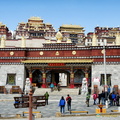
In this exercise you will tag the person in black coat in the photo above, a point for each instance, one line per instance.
(110, 99)
(117, 99)
(99, 98)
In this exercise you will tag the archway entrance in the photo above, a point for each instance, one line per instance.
(61, 77)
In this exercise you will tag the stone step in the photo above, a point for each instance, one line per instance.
(63, 91)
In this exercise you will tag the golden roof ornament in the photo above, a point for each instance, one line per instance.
(117, 40)
(69, 40)
(71, 26)
(35, 18)
(1, 23)
(94, 40)
(59, 37)
(2, 42)
(23, 42)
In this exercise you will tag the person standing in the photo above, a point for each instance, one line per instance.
(94, 98)
(58, 86)
(46, 97)
(51, 86)
(109, 90)
(79, 92)
(99, 98)
(62, 105)
(87, 99)
(103, 97)
(113, 98)
(68, 99)
(110, 99)
(117, 99)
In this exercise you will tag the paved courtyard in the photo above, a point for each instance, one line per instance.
(49, 111)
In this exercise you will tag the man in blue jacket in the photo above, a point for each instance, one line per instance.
(62, 105)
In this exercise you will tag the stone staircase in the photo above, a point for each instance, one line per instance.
(63, 91)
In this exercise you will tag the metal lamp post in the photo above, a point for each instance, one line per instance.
(104, 54)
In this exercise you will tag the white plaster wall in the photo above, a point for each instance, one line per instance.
(114, 70)
(19, 70)
(29, 43)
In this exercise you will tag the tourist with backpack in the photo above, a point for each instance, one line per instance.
(46, 97)
(87, 99)
(68, 99)
(62, 105)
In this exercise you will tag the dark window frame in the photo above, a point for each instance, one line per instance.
(11, 79)
(108, 79)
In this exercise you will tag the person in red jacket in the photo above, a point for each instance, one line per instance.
(95, 98)
(68, 99)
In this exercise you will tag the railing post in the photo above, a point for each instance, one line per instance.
(30, 105)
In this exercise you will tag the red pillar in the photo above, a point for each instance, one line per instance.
(44, 80)
(30, 74)
(86, 76)
(72, 78)
(30, 77)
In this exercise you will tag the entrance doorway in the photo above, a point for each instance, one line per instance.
(56, 78)
(61, 77)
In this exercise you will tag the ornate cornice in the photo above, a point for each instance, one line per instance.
(11, 63)
(66, 48)
(59, 61)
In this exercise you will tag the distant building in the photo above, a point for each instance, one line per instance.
(103, 34)
(73, 32)
(35, 28)
(4, 31)
(43, 55)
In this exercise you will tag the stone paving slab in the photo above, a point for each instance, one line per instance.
(75, 118)
(49, 111)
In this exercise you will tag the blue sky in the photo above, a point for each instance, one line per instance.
(86, 13)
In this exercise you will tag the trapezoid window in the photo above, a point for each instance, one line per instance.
(108, 79)
(11, 79)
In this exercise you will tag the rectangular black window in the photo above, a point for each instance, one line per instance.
(73, 35)
(108, 79)
(11, 79)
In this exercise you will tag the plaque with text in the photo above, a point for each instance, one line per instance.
(20, 99)
(21, 105)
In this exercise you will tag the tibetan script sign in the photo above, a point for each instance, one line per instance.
(23, 102)
(56, 64)
(37, 104)
(35, 98)
(20, 99)
(21, 105)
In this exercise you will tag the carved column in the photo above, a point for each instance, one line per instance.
(44, 78)
(30, 75)
(71, 78)
(86, 71)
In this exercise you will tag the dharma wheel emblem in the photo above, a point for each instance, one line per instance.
(57, 53)
(74, 52)
(41, 52)
(11, 53)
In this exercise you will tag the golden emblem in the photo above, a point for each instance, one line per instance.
(74, 52)
(57, 53)
(11, 53)
(41, 53)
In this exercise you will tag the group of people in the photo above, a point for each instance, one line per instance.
(55, 86)
(62, 102)
(112, 98)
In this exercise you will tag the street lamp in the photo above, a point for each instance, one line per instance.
(104, 56)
